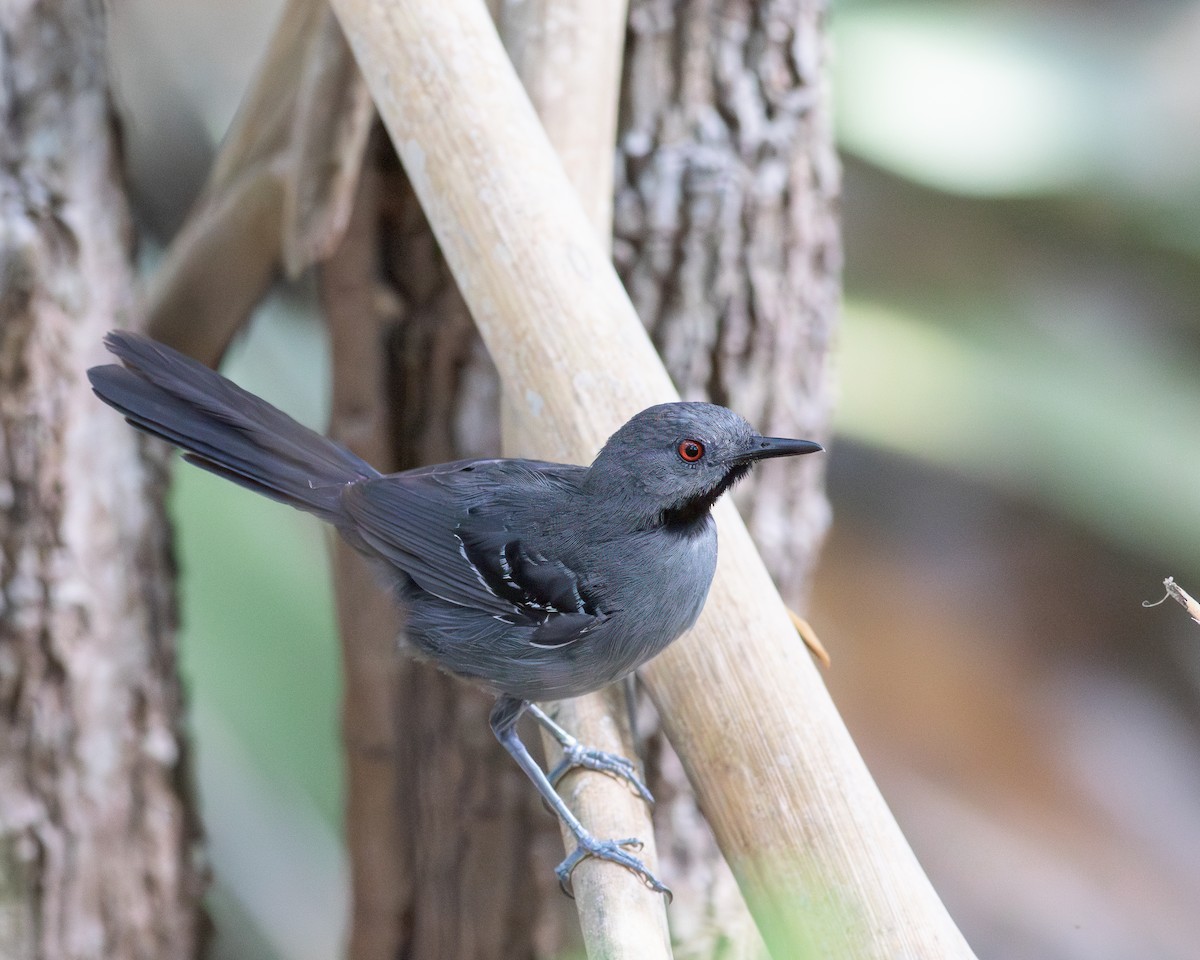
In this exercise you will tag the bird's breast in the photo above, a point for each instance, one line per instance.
(660, 591)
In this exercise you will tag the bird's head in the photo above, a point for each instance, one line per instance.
(671, 462)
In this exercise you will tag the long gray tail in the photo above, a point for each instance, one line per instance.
(223, 428)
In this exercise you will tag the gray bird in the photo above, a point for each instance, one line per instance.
(532, 580)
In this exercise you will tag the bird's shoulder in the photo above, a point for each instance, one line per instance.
(476, 494)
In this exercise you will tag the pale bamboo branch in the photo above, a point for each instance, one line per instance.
(821, 860)
(280, 191)
(568, 55)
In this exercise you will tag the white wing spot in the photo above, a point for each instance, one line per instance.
(462, 550)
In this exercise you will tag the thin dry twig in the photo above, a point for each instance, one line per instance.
(810, 638)
(1182, 597)
(568, 56)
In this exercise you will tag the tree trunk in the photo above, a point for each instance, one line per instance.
(98, 840)
(727, 236)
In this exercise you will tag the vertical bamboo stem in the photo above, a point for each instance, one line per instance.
(568, 56)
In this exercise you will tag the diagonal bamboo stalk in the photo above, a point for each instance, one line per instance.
(816, 851)
(568, 56)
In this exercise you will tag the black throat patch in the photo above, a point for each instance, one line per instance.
(687, 514)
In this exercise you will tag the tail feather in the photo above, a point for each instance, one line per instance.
(223, 428)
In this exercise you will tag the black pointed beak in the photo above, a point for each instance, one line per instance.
(764, 448)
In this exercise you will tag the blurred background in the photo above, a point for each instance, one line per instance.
(1016, 468)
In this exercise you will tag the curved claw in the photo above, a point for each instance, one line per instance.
(577, 756)
(614, 852)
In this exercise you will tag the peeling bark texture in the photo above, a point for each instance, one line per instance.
(726, 231)
(99, 852)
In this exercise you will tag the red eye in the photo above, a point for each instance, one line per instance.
(691, 450)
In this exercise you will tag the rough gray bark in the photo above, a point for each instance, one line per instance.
(726, 231)
(726, 236)
(98, 840)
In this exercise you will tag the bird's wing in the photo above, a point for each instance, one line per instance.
(547, 593)
(443, 528)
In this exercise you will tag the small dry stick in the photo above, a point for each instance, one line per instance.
(280, 192)
(810, 638)
(1181, 596)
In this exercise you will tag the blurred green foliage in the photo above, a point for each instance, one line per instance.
(258, 641)
(260, 661)
(1026, 311)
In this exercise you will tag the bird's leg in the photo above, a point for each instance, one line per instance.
(503, 719)
(577, 756)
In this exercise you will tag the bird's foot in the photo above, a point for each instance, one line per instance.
(613, 851)
(578, 757)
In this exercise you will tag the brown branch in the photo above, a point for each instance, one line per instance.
(367, 617)
(814, 848)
